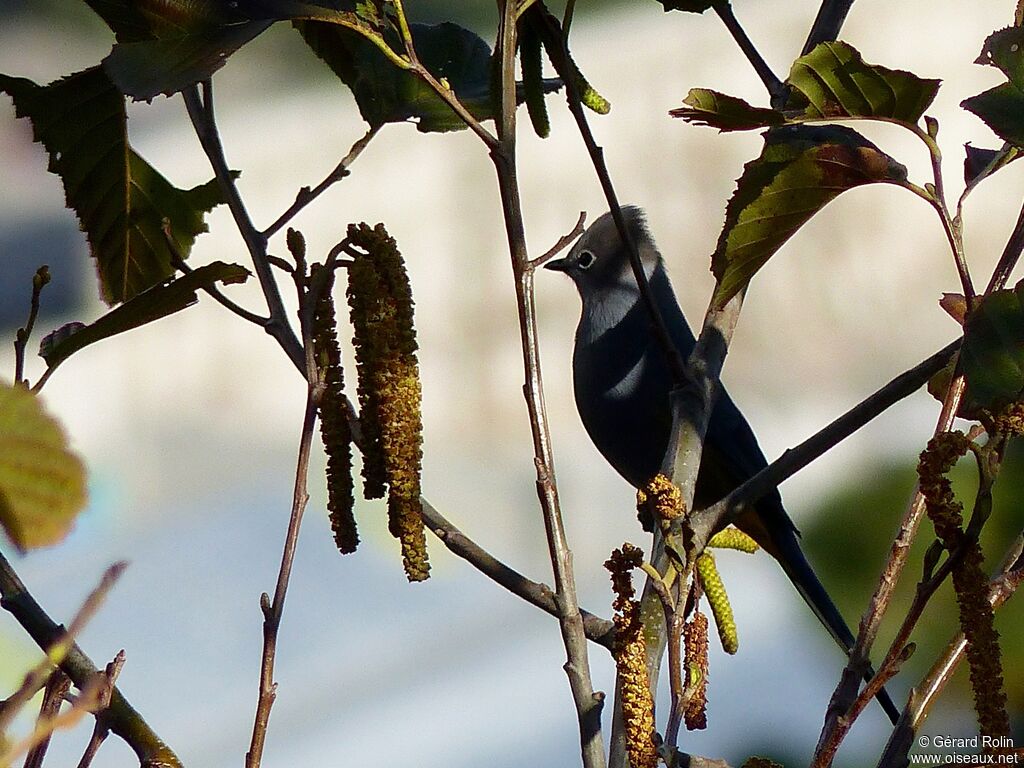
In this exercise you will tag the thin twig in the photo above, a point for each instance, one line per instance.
(39, 280)
(273, 610)
(306, 195)
(704, 522)
(772, 84)
(577, 667)
(559, 53)
(845, 692)
(598, 630)
(59, 648)
(100, 730)
(57, 688)
(200, 111)
(563, 242)
(178, 261)
(952, 227)
(923, 696)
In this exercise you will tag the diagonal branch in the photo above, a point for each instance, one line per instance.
(200, 111)
(827, 24)
(120, 716)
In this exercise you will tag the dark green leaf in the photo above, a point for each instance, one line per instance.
(1003, 50)
(726, 113)
(136, 20)
(992, 356)
(147, 68)
(800, 170)
(834, 81)
(1002, 109)
(692, 6)
(42, 483)
(153, 304)
(121, 200)
(386, 94)
(981, 163)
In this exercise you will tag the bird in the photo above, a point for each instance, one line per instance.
(622, 384)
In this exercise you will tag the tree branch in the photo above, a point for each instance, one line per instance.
(577, 667)
(200, 111)
(705, 521)
(827, 23)
(307, 195)
(119, 717)
(849, 682)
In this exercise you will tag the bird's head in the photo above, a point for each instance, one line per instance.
(599, 261)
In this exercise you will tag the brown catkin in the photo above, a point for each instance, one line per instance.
(984, 657)
(334, 427)
(389, 386)
(695, 646)
(631, 660)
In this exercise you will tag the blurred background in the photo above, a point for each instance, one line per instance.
(189, 426)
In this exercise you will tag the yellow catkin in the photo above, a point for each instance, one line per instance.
(984, 656)
(659, 500)
(334, 427)
(389, 386)
(733, 538)
(695, 645)
(719, 602)
(631, 660)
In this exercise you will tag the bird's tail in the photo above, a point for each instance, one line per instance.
(791, 557)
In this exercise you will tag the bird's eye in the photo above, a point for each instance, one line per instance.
(585, 260)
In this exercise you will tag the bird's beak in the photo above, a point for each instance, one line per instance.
(559, 265)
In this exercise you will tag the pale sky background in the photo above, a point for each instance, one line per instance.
(189, 426)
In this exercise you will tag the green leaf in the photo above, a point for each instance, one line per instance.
(992, 355)
(121, 200)
(726, 113)
(153, 304)
(834, 81)
(42, 483)
(386, 94)
(980, 163)
(135, 20)
(800, 170)
(1002, 107)
(164, 46)
(147, 68)
(1002, 49)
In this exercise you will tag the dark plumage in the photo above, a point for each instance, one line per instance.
(622, 383)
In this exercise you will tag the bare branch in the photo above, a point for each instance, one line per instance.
(200, 111)
(827, 24)
(307, 195)
(120, 717)
(577, 668)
